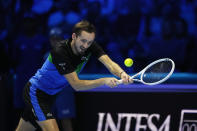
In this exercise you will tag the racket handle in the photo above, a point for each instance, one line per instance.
(119, 82)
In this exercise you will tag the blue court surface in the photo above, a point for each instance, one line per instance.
(178, 82)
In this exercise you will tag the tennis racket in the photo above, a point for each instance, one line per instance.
(155, 73)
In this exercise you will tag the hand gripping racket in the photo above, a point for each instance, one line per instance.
(155, 73)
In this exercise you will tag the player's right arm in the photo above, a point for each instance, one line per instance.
(78, 84)
(62, 61)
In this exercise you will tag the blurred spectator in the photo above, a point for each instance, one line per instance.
(64, 106)
(62, 19)
(55, 35)
(171, 43)
(55, 19)
(28, 48)
(144, 30)
(5, 77)
(5, 65)
(72, 17)
(4, 95)
(42, 6)
(114, 51)
(188, 14)
(93, 11)
(64, 109)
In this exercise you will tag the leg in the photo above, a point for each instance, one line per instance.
(25, 126)
(64, 109)
(66, 125)
(48, 125)
(38, 109)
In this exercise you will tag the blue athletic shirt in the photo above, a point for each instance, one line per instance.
(61, 60)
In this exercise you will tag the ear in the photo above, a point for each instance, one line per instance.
(74, 36)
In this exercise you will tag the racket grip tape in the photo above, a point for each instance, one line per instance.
(119, 82)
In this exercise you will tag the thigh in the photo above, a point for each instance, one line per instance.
(25, 126)
(48, 125)
(67, 124)
(64, 106)
(38, 105)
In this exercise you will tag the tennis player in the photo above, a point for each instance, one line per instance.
(61, 68)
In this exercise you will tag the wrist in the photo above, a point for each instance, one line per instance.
(102, 81)
(121, 73)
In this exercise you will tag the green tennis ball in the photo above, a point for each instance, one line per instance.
(128, 62)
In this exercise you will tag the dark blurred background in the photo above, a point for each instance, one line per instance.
(143, 30)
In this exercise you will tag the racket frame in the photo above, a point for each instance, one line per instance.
(141, 73)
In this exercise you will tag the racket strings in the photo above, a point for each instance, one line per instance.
(157, 72)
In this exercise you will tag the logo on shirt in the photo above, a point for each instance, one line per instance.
(84, 58)
(33, 112)
(49, 115)
(65, 111)
(62, 65)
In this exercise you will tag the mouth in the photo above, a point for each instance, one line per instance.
(82, 49)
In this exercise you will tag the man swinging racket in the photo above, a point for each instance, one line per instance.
(60, 69)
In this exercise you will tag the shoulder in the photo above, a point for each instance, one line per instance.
(95, 45)
(96, 50)
(60, 47)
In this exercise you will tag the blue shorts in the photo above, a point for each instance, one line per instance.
(38, 104)
(64, 105)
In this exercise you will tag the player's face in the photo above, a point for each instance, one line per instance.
(83, 41)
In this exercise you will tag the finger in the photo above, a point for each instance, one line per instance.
(130, 80)
(111, 84)
(114, 81)
(126, 79)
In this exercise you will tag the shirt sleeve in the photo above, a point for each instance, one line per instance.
(97, 50)
(62, 61)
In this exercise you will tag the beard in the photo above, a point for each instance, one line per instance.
(80, 50)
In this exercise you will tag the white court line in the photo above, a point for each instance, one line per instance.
(190, 121)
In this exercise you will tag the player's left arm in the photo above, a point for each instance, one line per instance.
(115, 69)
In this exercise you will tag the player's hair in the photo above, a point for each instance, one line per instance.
(83, 25)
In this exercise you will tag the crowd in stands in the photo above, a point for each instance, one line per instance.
(144, 30)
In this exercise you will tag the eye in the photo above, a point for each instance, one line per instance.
(83, 41)
(89, 43)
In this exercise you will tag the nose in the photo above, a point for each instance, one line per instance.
(85, 45)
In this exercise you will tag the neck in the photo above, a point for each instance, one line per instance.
(73, 47)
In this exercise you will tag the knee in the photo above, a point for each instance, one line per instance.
(24, 126)
(51, 128)
(49, 125)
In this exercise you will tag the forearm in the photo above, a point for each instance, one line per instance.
(87, 84)
(111, 65)
(115, 69)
